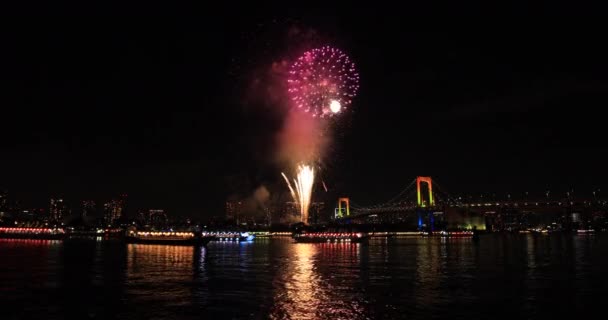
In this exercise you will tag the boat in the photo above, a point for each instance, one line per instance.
(230, 236)
(585, 231)
(452, 234)
(32, 233)
(331, 237)
(95, 232)
(168, 237)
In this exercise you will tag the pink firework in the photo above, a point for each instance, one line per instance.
(323, 82)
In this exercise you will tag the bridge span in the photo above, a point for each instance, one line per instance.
(423, 204)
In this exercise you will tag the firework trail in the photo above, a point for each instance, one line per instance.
(293, 194)
(302, 193)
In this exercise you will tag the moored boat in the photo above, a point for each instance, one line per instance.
(444, 233)
(332, 237)
(168, 237)
(585, 231)
(230, 236)
(32, 233)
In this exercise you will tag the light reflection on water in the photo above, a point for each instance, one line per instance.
(149, 264)
(503, 276)
(308, 288)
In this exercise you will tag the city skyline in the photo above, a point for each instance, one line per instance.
(293, 160)
(494, 110)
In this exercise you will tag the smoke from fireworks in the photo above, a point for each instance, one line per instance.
(301, 141)
(323, 81)
(302, 193)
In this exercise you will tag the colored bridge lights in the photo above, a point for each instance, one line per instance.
(346, 202)
(424, 205)
(429, 182)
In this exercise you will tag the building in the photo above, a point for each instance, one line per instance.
(88, 209)
(290, 213)
(315, 212)
(57, 209)
(234, 210)
(292, 209)
(268, 215)
(3, 201)
(27, 215)
(114, 209)
(157, 217)
(142, 217)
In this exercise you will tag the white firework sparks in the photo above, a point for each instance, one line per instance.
(302, 193)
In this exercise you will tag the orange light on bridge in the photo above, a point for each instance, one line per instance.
(346, 201)
(429, 182)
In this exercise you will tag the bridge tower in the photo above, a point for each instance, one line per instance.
(346, 201)
(426, 217)
(429, 182)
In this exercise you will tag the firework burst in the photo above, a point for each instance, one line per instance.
(302, 193)
(323, 82)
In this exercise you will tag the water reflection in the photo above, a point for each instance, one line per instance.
(160, 276)
(428, 271)
(25, 264)
(303, 288)
(505, 276)
(317, 283)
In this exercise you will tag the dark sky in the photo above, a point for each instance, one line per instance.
(154, 104)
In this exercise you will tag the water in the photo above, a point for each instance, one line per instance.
(503, 276)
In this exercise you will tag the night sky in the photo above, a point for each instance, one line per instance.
(160, 107)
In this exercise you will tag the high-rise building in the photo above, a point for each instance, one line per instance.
(88, 208)
(3, 201)
(57, 209)
(268, 215)
(157, 217)
(114, 209)
(234, 210)
(315, 212)
(290, 212)
(142, 217)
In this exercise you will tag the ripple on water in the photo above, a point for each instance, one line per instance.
(415, 278)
